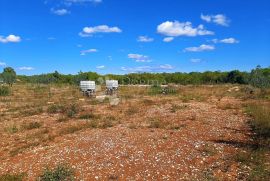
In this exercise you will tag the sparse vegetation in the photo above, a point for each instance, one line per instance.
(12, 177)
(60, 173)
(261, 118)
(28, 127)
(32, 125)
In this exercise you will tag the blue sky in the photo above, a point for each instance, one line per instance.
(113, 36)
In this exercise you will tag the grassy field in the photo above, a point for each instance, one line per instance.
(41, 117)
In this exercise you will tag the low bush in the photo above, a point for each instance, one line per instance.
(4, 91)
(53, 109)
(60, 173)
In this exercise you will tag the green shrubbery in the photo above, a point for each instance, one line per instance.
(60, 173)
(4, 91)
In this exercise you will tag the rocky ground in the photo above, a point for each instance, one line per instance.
(154, 138)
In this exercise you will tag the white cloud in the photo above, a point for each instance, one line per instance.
(92, 50)
(226, 40)
(168, 39)
(195, 60)
(2, 64)
(10, 38)
(176, 28)
(145, 39)
(89, 31)
(100, 67)
(206, 18)
(201, 48)
(166, 66)
(159, 68)
(229, 40)
(69, 2)
(60, 12)
(139, 57)
(219, 19)
(26, 68)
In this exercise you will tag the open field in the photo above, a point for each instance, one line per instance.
(210, 132)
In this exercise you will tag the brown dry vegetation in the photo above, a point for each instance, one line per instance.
(198, 132)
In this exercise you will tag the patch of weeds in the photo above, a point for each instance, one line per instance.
(88, 116)
(157, 90)
(22, 148)
(257, 161)
(106, 123)
(60, 173)
(155, 123)
(175, 107)
(32, 112)
(53, 109)
(186, 98)
(208, 150)
(4, 91)
(12, 177)
(12, 129)
(31, 125)
(175, 127)
(132, 110)
(261, 119)
(71, 129)
(209, 175)
(92, 124)
(72, 110)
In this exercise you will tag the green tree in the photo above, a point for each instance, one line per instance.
(9, 75)
(260, 77)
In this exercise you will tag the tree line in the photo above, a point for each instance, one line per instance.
(258, 77)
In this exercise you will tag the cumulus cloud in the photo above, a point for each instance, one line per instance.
(200, 48)
(145, 39)
(139, 57)
(100, 67)
(10, 38)
(89, 31)
(158, 68)
(26, 68)
(60, 12)
(226, 40)
(168, 39)
(219, 19)
(92, 50)
(176, 28)
(2, 64)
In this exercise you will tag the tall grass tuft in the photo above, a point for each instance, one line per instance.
(261, 119)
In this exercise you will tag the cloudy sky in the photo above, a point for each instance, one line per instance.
(113, 36)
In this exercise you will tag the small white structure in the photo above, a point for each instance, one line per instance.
(111, 86)
(88, 87)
